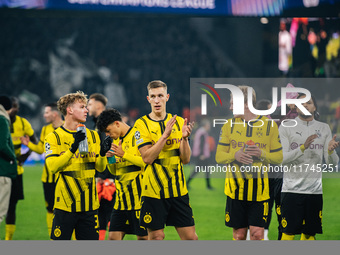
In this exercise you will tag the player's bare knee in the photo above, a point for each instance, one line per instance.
(142, 238)
(156, 235)
(240, 236)
(194, 237)
(257, 235)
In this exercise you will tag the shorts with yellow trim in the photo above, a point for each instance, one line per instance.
(85, 224)
(301, 213)
(127, 221)
(175, 211)
(241, 214)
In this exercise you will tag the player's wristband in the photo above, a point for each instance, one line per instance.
(263, 155)
(302, 147)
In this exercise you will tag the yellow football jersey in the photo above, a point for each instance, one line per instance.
(128, 171)
(75, 186)
(164, 178)
(47, 176)
(241, 184)
(20, 127)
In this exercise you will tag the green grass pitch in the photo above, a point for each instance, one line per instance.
(208, 207)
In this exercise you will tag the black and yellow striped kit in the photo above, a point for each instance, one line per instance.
(75, 187)
(128, 172)
(240, 184)
(164, 178)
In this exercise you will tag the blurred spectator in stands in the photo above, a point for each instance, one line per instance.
(285, 49)
(201, 151)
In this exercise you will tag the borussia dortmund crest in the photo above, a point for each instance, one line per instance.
(147, 218)
(259, 132)
(57, 232)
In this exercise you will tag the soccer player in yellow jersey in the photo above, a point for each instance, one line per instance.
(128, 176)
(53, 118)
(246, 186)
(163, 141)
(19, 127)
(76, 199)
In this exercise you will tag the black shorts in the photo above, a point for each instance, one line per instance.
(104, 212)
(176, 211)
(127, 222)
(301, 213)
(85, 224)
(241, 214)
(49, 189)
(17, 190)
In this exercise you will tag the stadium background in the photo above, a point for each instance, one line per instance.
(48, 53)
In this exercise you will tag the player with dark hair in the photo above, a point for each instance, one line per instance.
(163, 141)
(104, 180)
(128, 171)
(248, 191)
(53, 118)
(304, 148)
(76, 198)
(19, 127)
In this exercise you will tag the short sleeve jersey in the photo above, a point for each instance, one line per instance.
(20, 127)
(164, 178)
(47, 176)
(128, 175)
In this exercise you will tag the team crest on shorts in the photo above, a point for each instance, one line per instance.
(57, 232)
(147, 218)
(284, 222)
(227, 217)
(278, 210)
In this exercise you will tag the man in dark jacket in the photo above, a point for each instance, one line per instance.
(8, 163)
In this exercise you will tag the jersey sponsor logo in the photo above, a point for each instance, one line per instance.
(173, 141)
(239, 132)
(313, 146)
(147, 218)
(137, 135)
(235, 144)
(299, 133)
(154, 132)
(90, 154)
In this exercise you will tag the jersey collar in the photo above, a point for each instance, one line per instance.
(68, 131)
(126, 133)
(166, 116)
(303, 122)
